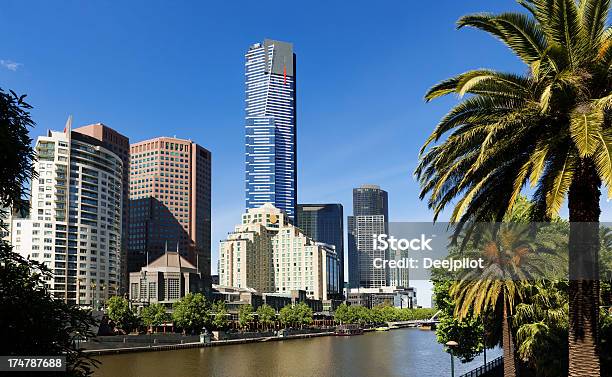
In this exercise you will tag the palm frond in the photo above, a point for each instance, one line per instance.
(585, 129)
(594, 14)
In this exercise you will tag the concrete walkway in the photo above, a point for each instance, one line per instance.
(169, 347)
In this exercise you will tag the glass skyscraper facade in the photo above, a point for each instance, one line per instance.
(324, 223)
(270, 122)
(370, 216)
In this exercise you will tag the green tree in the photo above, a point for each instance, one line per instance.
(359, 314)
(542, 324)
(118, 310)
(376, 314)
(288, 316)
(303, 314)
(191, 312)
(16, 153)
(245, 315)
(220, 319)
(549, 128)
(390, 313)
(341, 315)
(154, 315)
(266, 315)
(468, 331)
(33, 323)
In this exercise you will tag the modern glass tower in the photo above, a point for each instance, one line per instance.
(324, 223)
(270, 121)
(370, 216)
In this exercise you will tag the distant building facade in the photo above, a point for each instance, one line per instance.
(269, 254)
(398, 277)
(165, 280)
(398, 297)
(170, 202)
(370, 217)
(270, 126)
(324, 223)
(235, 297)
(74, 227)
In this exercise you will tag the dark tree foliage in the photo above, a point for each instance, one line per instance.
(33, 323)
(16, 153)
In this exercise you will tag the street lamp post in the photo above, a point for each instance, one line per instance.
(451, 344)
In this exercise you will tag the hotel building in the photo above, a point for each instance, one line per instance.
(267, 253)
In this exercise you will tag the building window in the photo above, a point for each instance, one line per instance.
(143, 288)
(173, 289)
(134, 291)
(152, 290)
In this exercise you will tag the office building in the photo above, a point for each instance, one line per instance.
(120, 145)
(324, 223)
(74, 226)
(270, 126)
(370, 217)
(169, 206)
(270, 255)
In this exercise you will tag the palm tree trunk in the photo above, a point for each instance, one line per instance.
(584, 213)
(508, 345)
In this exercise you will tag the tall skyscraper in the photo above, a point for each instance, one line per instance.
(324, 223)
(370, 216)
(120, 145)
(269, 254)
(271, 127)
(74, 226)
(169, 202)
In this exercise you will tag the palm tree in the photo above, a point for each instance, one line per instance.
(549, 128)
(512, 259)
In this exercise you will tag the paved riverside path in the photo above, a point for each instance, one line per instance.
(168, 347)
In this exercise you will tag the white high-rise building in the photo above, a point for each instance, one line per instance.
(74, 226)
(267, 253)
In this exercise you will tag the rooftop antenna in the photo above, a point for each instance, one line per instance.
(68, 126)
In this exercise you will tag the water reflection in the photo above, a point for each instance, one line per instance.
(408, 352)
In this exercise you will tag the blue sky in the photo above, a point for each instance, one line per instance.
(158, 68)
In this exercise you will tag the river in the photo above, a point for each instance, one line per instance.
(404, 352)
